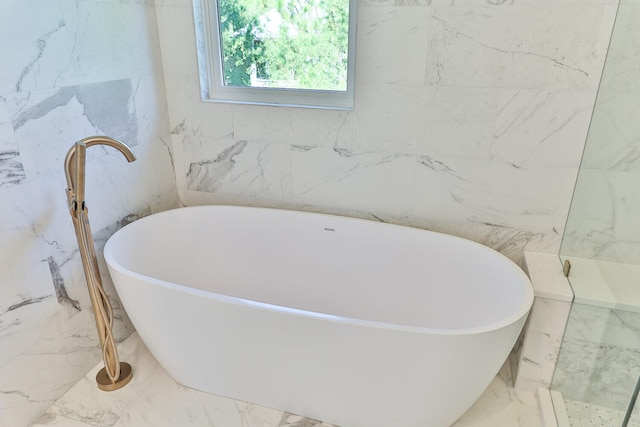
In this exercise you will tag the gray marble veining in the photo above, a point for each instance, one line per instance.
(107, 106)
(11, 169)
(41, 44)
(206, 175)
(59, 286)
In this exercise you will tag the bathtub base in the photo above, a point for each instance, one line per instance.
(347, 375)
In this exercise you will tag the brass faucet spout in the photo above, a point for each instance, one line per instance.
(111, 142)
(74, 162)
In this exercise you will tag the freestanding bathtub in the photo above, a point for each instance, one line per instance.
(353, 322)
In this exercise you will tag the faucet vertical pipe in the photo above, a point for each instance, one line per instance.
(80, 156)
(115, 374)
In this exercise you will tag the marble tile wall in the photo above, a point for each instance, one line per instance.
(69, 69)
(603, 223)
(534, 358)
(598, 358)
(470, 118)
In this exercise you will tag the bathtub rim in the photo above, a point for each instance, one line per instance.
(516, 316)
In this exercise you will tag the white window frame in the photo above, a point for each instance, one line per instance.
(211, 75)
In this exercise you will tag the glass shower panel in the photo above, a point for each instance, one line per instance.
(598, 365)
(599, 361)
(604, 221)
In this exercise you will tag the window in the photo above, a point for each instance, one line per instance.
(278, 52)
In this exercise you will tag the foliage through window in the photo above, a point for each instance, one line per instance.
(294, 52)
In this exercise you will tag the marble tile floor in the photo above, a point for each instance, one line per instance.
(581, 414)
(154, 399)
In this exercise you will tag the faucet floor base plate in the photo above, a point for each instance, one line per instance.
(105, 383)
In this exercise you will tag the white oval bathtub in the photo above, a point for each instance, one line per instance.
(353, 322)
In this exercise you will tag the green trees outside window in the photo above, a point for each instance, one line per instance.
(299, 44)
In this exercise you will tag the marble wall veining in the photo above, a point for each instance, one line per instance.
(69, 69)
(470, 118)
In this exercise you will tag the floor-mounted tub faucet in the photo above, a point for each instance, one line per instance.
(115, 374)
